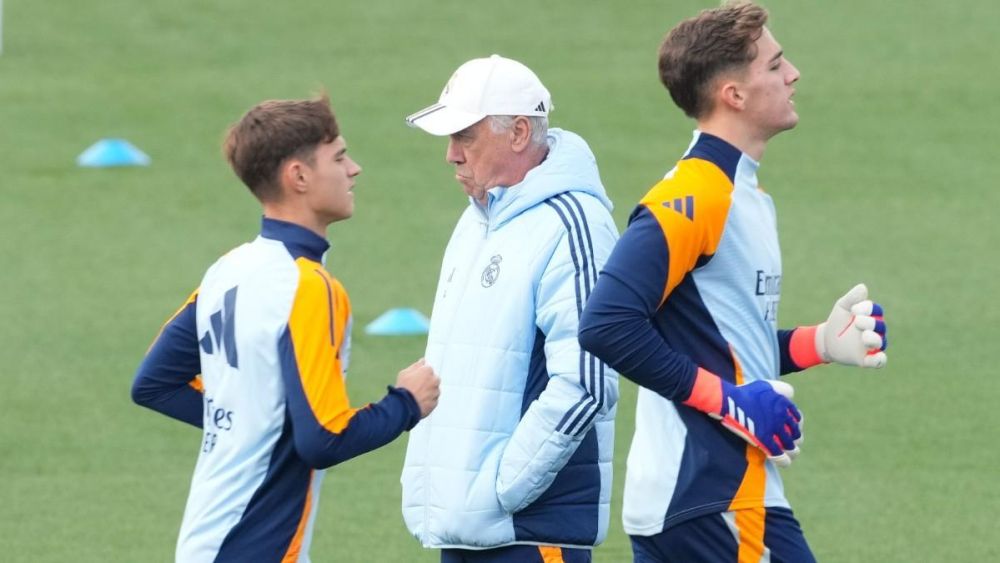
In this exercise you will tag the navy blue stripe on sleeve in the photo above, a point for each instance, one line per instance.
(162, 381)
(596, 366)
(616, 324)
(581, 248)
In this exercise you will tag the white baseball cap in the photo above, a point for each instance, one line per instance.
(482, 87)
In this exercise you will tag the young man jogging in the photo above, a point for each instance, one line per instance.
(257, 355)
(687, 308)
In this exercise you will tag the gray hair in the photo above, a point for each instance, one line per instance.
(539, 126)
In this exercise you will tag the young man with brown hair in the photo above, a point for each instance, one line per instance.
(257, 355)
(687, 308)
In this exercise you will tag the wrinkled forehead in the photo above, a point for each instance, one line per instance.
(473, 130)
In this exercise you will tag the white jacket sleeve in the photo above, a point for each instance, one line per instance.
(580, 388)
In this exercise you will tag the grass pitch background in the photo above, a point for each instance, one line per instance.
(890, 178)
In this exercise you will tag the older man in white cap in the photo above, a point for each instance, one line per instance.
(515, 463)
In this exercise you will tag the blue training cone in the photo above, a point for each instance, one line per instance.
(398, 321)
(112, 152)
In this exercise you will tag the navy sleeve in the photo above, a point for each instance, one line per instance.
(371, 427)
(358, 431)
(784, 351)
(165, 379)
(616, 324)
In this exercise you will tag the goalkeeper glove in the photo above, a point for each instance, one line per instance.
(854, 333)
(760, 412)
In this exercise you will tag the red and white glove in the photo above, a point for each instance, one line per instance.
(854, 333)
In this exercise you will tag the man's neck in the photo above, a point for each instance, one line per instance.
(525, 163)
(305, 220)
(735, 134)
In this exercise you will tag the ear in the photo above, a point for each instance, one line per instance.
(730, 93)
(294, 176)
(520, 134)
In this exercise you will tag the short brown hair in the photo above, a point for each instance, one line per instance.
(273, 131)
(701, 48)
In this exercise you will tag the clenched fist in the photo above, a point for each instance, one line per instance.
(421, 381)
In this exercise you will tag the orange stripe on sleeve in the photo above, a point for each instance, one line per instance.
(551, 554)
(317, 324)
(292, 555)
(191, 299)
(691, 206)
(196, 382)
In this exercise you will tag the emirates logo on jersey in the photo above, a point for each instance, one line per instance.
(492, 272)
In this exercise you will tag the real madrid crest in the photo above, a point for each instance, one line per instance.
(492, 272)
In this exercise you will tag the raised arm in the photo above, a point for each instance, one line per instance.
(313, 352)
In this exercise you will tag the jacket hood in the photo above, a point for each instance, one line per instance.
(569, 167)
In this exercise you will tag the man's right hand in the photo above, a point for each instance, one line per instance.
(758, 412)
(425, 386)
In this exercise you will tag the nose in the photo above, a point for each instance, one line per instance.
(794, 75)
(454, 154)
(354, 168)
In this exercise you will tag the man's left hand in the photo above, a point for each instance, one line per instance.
(854, 333)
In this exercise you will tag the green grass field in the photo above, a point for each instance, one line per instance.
(890, 178)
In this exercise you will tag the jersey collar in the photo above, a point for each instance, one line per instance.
(300, 241)
(717, 151)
